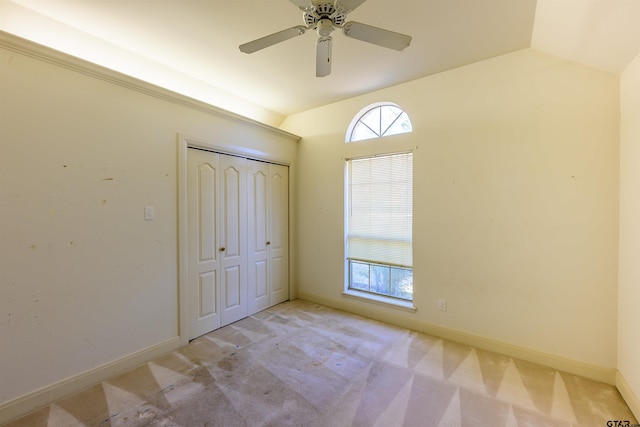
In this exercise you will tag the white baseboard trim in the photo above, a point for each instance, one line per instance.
(391, 316)
(24, 404)
(633, 402)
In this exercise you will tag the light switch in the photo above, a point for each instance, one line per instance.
(149, 213)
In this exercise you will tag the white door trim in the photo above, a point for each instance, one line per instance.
(185, 142)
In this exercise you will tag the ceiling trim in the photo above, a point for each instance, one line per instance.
(37, 51)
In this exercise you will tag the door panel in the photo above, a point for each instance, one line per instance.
(278, 233)
(232, 288)
(260, 283)
(203, 263)
(257, 226)
(206, 224)
(207, 294)
(278, 274)
(232, 206)
(233, 235)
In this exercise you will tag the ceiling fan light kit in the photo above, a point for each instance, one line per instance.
(324, 17)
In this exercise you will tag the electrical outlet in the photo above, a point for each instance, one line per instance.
(442, 304)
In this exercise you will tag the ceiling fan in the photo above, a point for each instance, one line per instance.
(324, 17)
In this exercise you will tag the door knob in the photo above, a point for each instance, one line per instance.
(268, 243)
(222, 249)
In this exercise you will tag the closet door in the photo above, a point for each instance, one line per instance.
(203, 257)
(257, 201)
(232, 223)
(237, 238)
(216, 240)
(268, 204)
(278, 233)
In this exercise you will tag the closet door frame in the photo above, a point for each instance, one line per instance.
(184, 143)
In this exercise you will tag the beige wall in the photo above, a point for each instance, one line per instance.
(515, 207)
(85, 279)
(629, 287)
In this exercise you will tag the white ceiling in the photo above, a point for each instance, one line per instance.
(196, 42)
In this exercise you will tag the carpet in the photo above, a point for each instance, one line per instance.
(304, 364)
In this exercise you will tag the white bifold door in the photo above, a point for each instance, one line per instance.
(237, 238)
(268, 235)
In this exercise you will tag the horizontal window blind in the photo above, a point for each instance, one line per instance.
(380, 217)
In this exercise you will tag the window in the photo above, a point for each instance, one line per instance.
(379, 225)
(378, 120)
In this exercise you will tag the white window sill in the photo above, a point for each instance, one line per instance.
(380, 299)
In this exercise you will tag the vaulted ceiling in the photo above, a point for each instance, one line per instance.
(191, 46)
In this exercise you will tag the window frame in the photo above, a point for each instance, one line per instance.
(358, 119)
(372, 264)
(368, 295)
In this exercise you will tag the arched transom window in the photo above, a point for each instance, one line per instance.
(378, 120)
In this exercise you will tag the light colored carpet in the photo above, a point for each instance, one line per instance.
(303, 364)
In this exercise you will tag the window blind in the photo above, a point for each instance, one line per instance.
(380, 209)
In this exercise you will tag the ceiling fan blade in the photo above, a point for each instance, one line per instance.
(376, 35)
(323, 56)
(347, 5)
(303, 4)
(272, 39)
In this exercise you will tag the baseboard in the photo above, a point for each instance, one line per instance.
(23, 405)
(628, 395)
(391, 316)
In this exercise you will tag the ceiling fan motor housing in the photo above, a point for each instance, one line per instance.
(324, 11)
